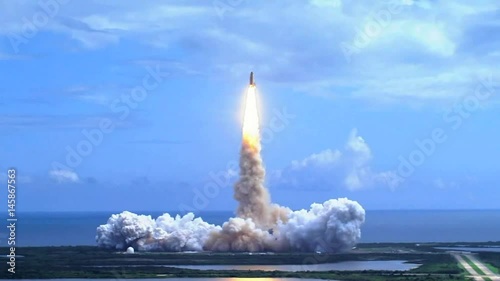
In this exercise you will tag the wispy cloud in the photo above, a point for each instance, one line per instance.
(6, 56)
(170, 66)
(64, 176)
(46, 121)
(441, 183)
(158, 141)
(93, 94)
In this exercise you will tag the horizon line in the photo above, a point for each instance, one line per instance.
(226, 211)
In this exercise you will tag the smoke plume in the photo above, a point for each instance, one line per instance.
(254, 199)
(259, 226)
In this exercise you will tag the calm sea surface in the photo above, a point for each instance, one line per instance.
(55, 229)
(340, 266)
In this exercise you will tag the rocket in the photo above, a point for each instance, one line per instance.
(251, 79)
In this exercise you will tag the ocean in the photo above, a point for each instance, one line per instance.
(56, 229)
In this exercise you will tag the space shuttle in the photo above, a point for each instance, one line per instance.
(252, 83)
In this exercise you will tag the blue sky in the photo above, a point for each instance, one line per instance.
(137, 106)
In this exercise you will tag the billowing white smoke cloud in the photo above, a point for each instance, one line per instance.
(333, 226)
(166, 233)
(329, 227)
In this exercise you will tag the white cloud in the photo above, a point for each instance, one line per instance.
(332, 168)
(429, 52)
(326, 157)
(64, 176)
(443, 184)
(327, 3)
(359, 171)
(359, 154)
(434, 38)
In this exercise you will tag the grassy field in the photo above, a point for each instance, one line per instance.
(87, 262)
(491, 259)
(473, 265)
(492, 268)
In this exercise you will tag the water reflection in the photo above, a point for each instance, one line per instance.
(341, 266)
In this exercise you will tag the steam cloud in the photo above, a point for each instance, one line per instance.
(329, 227)
(259, 226)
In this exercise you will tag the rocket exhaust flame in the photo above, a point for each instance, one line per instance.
(259, 226)
(251, 133)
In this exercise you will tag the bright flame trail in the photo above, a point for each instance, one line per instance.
(251, 134)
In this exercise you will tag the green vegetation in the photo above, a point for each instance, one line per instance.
(492, 268)
(427, 247)
(492, 259)
(473, 265)
(160, 272)
(92, 262)
(440, 267)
